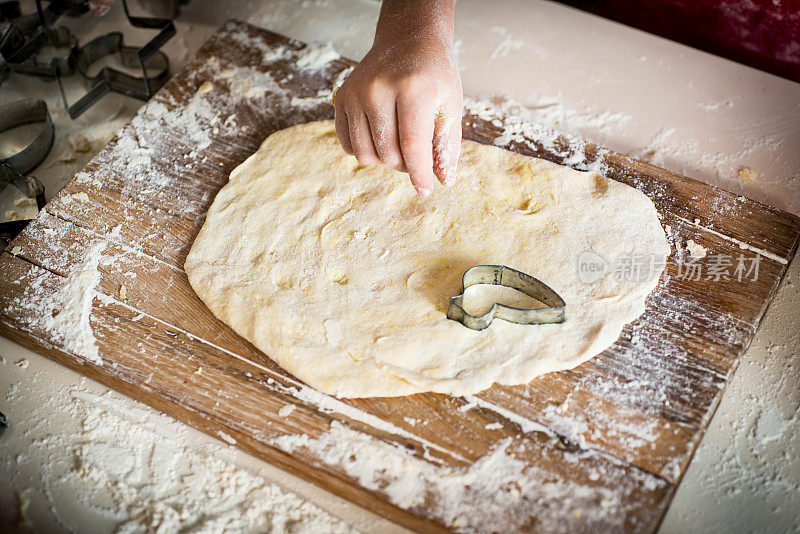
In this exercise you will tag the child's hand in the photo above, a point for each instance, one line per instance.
(401, 105)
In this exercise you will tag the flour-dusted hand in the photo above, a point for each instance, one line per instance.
(401, 105)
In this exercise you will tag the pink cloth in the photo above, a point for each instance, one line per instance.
(764, 34)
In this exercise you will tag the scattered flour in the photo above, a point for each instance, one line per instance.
(497, 489)
(313, 56)
(64, 312)
(196, 120)
(770, 424)
(747, 467)
(75, 197)
(505, 42)
(547, 124)
(659, 148)
(145, 149)
(129, 470)
(86, 178)
(328, 404)
(729, 169)
(323, 96)
(316, 56)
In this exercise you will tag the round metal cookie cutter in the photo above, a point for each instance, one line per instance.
(27, 112)
(500, 275)
(15, 168)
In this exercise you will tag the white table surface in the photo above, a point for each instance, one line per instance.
(685, 110)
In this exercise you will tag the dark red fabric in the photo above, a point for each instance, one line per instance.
(764, 34)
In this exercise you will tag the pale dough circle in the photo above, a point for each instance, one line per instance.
(342, 274)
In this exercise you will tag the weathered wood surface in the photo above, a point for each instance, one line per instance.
(602, 446)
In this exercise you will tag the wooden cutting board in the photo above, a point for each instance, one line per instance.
(96, 283)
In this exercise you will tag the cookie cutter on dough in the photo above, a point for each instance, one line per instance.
(500, 275)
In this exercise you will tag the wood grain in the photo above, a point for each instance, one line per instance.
(603, 446)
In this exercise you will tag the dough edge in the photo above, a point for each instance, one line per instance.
(369, 378)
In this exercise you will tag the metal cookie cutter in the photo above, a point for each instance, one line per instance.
(23, 36)
(112, 80)
(500, 275)
(145, 57)
(25, 61)
(14, 168)
(22, 39)
(28, 112)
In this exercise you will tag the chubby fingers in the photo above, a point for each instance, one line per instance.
(342, 129)
(353, 131)
(364, 126)
(361, 137)
(395, 126)
(383, 123)
(415, 121)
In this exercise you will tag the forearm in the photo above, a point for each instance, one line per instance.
(411, 19)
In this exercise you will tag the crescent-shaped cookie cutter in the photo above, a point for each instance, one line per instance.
(500, 275)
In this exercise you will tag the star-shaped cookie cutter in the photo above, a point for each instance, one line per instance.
(500, 275)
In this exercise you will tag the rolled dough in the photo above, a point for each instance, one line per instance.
(342, 274)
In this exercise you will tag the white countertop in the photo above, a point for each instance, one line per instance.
(685, 110)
